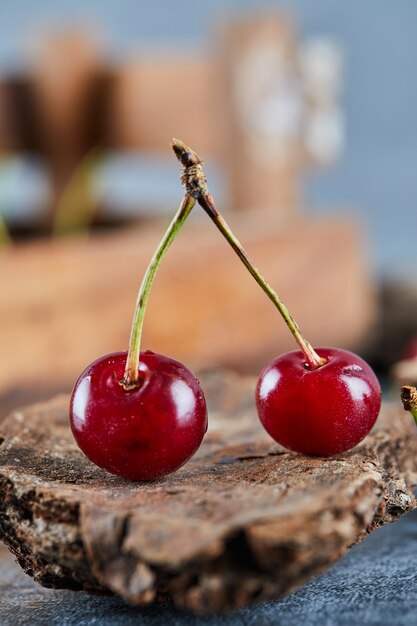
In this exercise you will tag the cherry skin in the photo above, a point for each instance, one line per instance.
(321, 411)
(144, 433)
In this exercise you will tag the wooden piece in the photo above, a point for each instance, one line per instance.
(264, 112)
(67, 99)
(244, 521)
(155, 98)
(64, 303)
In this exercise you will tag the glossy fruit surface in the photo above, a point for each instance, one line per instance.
(320, 411)
(144, 433)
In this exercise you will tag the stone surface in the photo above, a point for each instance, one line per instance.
(243, 522)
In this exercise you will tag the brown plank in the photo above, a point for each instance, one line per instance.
(64, 303)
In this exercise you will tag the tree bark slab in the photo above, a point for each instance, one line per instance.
(244, 521)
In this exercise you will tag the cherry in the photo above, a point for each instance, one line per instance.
(137, 414)
(317, 402)
(320, 411)
(144, 433)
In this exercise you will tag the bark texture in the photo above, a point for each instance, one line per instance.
(243, 522)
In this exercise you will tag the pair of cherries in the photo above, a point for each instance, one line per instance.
(142, 415)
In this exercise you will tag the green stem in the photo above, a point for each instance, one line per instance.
(131, 376)
(409, 399)
(312, 358)
(206, 201)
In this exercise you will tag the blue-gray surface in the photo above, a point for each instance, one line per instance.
(374, 585)
(377, 177)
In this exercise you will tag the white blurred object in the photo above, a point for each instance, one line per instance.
(322, 71)
(321, 63)
(283, 105)
(269, 100)
(324, 137)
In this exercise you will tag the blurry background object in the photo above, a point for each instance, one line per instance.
(263, 107)
(282, 100)
(391, 345)
(67, 103)
(375, 177)
(322, 70)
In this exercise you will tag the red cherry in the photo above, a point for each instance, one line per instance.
(320, 411)
(144, 433)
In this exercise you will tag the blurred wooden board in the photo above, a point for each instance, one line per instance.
(244, 521)
(65, 302)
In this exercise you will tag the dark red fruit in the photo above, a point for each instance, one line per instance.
(144, 433)
(411, 349)
(319, 411)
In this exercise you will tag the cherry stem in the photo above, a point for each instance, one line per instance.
(409, 400)
(131, 378)
(206, 201)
